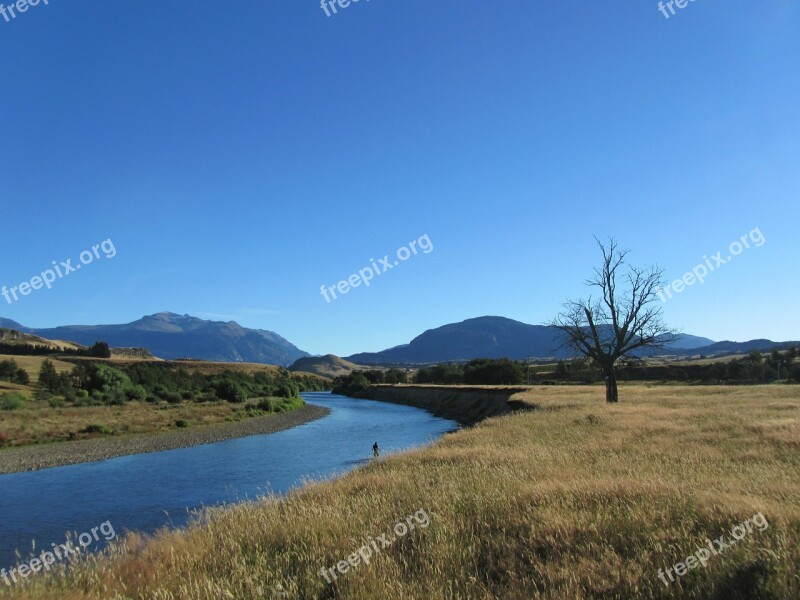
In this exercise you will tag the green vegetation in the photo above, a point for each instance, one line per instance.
(11, 372)
(87, 398)
(96, 383)
(755, 368)
(482, 371)
(358, 380)
(12, 401)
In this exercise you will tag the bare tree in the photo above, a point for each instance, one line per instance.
(622, 320)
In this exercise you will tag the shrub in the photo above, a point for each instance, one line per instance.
(137, 392)
(267, 405)
(95, 428)
(12, 401)
(181, 423)
(230, 391)
(172, 397)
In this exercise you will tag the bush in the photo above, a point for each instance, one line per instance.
(267, 405)
(181, 423)
(136, 392)
(231, 391)
(207, 397)
(172, 397)
(94, 428)
(12, 401)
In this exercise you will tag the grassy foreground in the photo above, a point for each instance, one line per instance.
(577, 499)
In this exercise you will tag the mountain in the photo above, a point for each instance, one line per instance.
(690, 342)
(482, 337)
(9, 324)
(727, 347)
(169, 335)
(491, 337)
(327, 366)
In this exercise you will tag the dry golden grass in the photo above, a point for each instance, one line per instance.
(577, 499)
(32, 364)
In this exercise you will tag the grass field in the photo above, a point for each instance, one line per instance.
(577, 499)
(40, 422)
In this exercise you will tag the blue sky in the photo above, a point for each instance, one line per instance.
(240, 155)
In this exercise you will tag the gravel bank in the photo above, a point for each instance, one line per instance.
(31, 458)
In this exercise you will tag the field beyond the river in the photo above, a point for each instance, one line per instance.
(575, 499)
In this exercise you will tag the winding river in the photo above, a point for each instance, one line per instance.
(144, 492)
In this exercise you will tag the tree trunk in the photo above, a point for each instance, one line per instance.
(612, 395)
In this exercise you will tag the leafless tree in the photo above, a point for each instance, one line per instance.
(621, 320)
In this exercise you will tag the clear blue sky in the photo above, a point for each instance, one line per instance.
(242, 154)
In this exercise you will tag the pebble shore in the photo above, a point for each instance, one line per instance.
(44, 456)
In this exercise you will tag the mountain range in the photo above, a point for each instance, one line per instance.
(170, 336)
(499, 337)
(491, 337)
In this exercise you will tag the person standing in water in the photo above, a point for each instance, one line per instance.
(375, 450)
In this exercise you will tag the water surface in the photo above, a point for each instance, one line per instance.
(146, 491)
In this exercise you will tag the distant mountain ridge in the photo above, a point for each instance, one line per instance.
(170, 336)
(499, 337)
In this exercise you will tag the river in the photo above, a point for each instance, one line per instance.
(144, 492)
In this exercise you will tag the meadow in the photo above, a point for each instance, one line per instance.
(575, 499)
(31, 415)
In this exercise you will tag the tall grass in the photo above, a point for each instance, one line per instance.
(577, 499)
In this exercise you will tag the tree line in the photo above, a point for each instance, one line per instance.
(755, 368)
(92, 383)
(97, 350)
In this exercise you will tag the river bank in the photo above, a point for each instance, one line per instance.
(44, 456)
(466, 405)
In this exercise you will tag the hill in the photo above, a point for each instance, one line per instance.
(171, 336)
(15, 337)
(326, 366)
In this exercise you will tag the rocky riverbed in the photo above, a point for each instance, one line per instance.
(31, 458)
